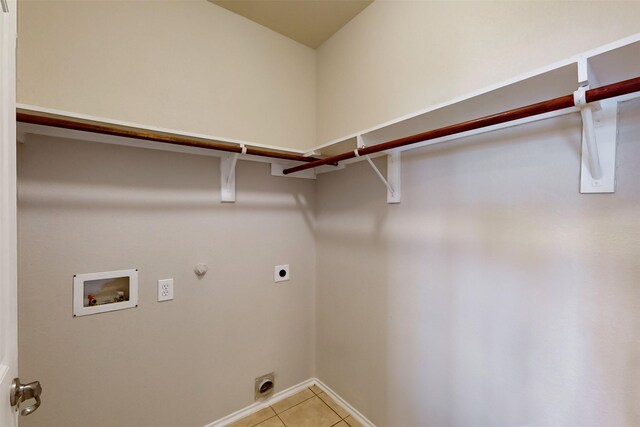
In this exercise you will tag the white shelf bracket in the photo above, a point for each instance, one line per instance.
(599, 134)
(228, 175)
(393, 176)
(392, 182)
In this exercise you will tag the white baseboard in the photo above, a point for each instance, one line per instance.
(346, 405)
(255, 407)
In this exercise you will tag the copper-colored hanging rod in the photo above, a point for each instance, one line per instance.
(66, 122)
(592, 95)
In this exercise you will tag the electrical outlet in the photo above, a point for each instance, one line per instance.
(282, 273)
(165, 289)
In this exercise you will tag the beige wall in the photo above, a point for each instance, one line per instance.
(193, 66)
(495, 294)
(397, 57)
(87, 207)
(187, 65)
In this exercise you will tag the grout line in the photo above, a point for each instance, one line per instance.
(254, 425)
(341, 418)
(332, 408)
(322, 391)
(314, 395)
(353, 413)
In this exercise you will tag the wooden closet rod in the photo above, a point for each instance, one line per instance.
(45, 119)
(592, 95)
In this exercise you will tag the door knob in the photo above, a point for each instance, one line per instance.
(22, 392)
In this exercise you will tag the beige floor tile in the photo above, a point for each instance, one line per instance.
(271, 422)
(255, 418)
(333, 405)
(352, 422)
(314, 388)
(287, 403)
(310, 413)
(341, 424)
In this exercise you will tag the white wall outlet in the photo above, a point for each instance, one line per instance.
(165, 289)
(282, 273)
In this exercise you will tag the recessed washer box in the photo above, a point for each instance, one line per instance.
(95, 293)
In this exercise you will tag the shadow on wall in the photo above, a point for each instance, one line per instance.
(88, 181)
(352, 275)
(87, 207)
(494, 294)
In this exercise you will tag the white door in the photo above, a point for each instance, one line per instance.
(8, 247)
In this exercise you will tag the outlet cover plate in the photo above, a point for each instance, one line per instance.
(165, 289)
(282, 273)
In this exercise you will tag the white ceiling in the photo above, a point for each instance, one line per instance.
(309, 22)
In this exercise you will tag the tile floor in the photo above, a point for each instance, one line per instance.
(309, 408)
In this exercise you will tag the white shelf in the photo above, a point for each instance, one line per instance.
(608, 64)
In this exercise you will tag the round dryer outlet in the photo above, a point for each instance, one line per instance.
(264, 386)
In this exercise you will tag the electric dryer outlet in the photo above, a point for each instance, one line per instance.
(282, 273)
